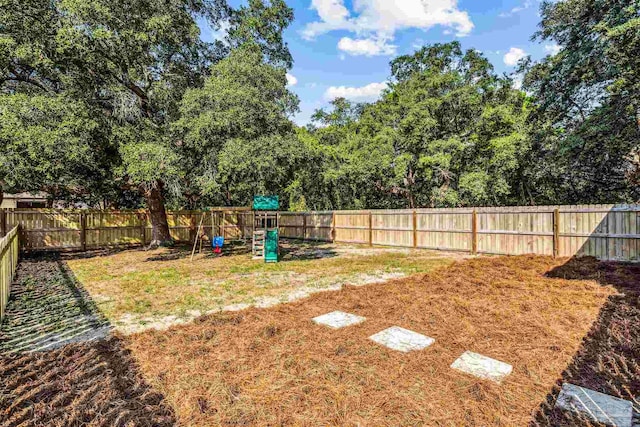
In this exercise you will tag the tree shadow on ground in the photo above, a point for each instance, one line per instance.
(290, 250)
(95, 383)
(608, 360)
(183, 250)
(49, 308)
(59, 363)
(298, 250)
(90, 253)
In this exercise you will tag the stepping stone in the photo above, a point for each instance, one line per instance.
(338, 319)
(397, 338)
(482, 366)
(600, 407)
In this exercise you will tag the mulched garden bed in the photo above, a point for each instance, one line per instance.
(558, 320)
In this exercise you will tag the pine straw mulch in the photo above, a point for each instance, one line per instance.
(89, 384)
(609, 358)
(94, 381)
(275, 367)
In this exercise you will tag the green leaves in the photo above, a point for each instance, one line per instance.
(587, 102)
(112, 75)
(243, 98)
(49, 142)
(447, 132)
(236, 129)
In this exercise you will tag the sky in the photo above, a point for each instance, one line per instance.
(342, 48)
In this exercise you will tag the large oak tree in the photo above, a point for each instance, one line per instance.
(122, 66)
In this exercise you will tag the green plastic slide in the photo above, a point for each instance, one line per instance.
(271, 246)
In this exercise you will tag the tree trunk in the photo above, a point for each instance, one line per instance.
(160, 235)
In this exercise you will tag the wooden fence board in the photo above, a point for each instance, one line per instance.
(9, 253)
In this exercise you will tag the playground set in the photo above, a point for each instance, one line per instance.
(265, 237)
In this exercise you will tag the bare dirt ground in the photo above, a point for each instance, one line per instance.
(139, 290)
(551, 319)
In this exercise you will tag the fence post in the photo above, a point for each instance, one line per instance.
(415, 229)
(3, 222)
(474, 232)
(253, 226)
(370, 229)
(83, 231)
(333, 226)
(556, 231)
(223, 227)
(304, 226)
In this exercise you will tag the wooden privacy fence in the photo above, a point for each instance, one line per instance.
(608, 232)
(8, 263)
(50, 229)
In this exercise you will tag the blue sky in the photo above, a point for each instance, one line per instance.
(343, 47)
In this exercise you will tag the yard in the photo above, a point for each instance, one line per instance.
(139, 289)
(553, 320)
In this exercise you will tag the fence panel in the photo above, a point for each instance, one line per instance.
(292, 225)
(392, 228)
(104, 228)
(9, 252)
(444, 229)
(607, 232)
(353, 227)
(515, 233)
(50, 228)
(318, 226)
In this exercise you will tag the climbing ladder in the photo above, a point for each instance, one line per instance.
(258, 244)
(265, 228)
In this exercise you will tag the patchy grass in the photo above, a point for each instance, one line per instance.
(135, 288)
(275, 367)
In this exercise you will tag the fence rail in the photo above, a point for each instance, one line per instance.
(608, 232)
(9, 249)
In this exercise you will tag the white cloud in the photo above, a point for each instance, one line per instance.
(552, 49)
(331, 11)
(525, 5)
(291, 80)
(366, 47)
(514, 55)
(380, 19)
(367, 93)
(333, 14)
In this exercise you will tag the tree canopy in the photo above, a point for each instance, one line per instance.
(586, 128)
(447, 132)
(122, 103)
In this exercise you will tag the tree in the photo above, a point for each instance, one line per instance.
(447, 132)
(266, 165)
(59, 130)
(586, 127)
(129, 63)
(243, 107)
